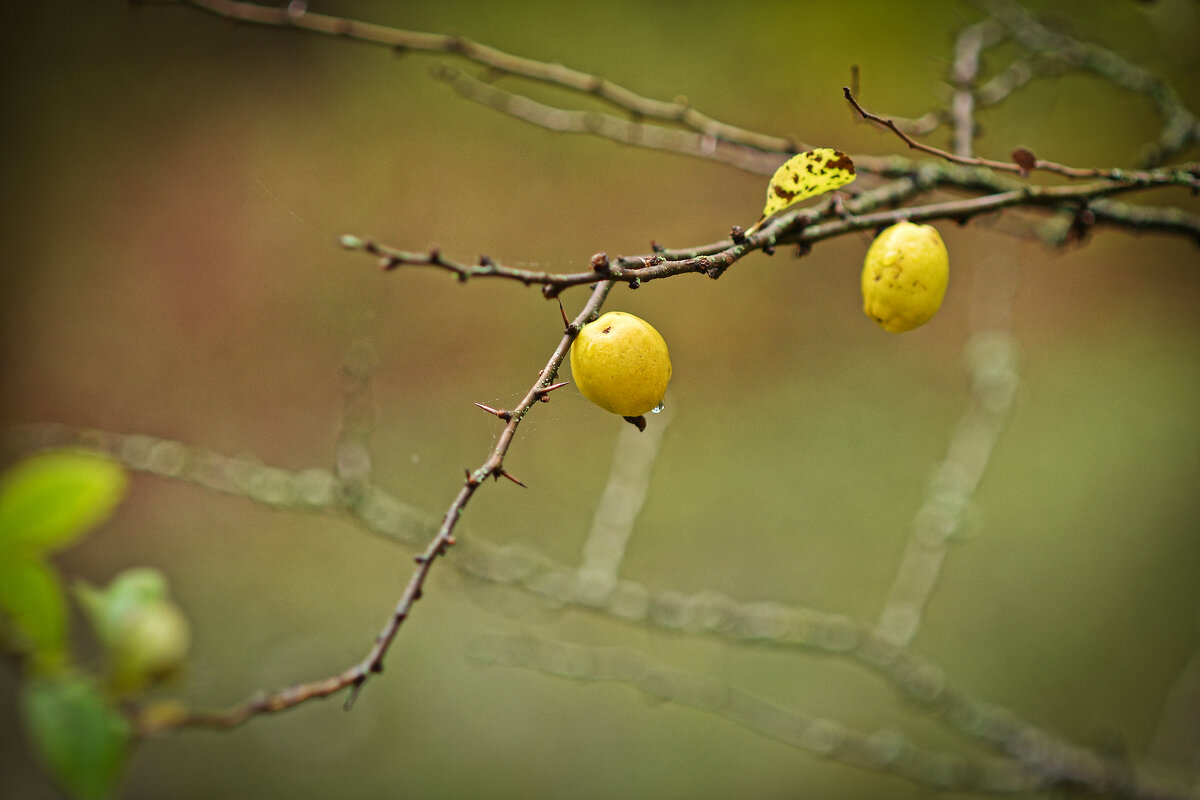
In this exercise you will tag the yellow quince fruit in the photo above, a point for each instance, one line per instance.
(904, 276)
(620, 363)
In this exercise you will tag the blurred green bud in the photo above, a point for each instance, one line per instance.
(145, 635)
(149, 647)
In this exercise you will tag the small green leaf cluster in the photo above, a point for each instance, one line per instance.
(72, 715)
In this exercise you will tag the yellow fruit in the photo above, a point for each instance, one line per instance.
(620, 363)
(904, 276)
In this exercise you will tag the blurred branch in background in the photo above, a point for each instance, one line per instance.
(1053, 51)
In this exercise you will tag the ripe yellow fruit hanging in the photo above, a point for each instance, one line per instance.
(620, 363)
(904, 276)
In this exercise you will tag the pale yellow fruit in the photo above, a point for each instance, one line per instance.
(620, 363)
(904, 276)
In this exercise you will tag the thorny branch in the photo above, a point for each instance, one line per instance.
(160, 718)
(806, 226)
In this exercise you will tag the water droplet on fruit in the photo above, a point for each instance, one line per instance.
(658, 408)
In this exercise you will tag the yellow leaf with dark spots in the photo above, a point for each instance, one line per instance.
(806, 175)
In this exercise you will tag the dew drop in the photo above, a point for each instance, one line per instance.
(658, 408)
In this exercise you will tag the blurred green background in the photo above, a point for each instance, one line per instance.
(174, 188)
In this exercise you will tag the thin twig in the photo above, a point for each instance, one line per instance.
(1184, 175)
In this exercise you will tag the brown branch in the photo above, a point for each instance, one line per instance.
(1184, 175)
(356, 676)
(815, 223)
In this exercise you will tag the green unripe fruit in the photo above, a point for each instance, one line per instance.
(149, 646)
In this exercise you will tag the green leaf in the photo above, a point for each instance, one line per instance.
(806, 175)
(34, 611)
(48, 501)
(82, 740)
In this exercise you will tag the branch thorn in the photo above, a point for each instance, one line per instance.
(497, 412)
(501, 472)
(545, 390)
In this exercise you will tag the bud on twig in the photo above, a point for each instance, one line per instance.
(601, 264)
(1025, 159)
